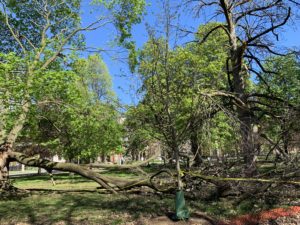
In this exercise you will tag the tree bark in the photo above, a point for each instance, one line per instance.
(243, 112)
(103, 158)
(247, 142)
(195, 148)
(4, 161)
(178, 170)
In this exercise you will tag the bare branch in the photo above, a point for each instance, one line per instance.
(270, 29)
(251, 56)
(93, 26)
(273, 98)
(267, 48)
(256, 9)
(260, 77)
(214, 29)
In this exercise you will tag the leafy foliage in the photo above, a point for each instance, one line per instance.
(70, 116)
(174, 81)
(279, 117)
(28, 19)
(125, 15)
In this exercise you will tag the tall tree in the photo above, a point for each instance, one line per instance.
(251, 27)
(171, 82)
(57, 24)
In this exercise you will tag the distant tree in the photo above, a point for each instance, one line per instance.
(139, 134)
(207, 66)
(95, 77)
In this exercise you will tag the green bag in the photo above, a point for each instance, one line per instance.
(181, 210)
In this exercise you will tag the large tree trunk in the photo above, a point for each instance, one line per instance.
(237, 50)
(244, 114)
(247, 141)
(9, 141)
(4, 183)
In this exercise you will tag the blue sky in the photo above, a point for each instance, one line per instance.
(124, 84)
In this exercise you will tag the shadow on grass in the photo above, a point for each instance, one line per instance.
(81, 208)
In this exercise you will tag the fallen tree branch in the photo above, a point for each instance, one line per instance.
(162, 181)
(69, 167)
(104, 181)
(244, 179)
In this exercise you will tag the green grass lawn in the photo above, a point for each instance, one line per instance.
(76, 200)
(79, 208)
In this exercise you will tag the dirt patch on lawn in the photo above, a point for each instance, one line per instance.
(195, 219)
(279, 216)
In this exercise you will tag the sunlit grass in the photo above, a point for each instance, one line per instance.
(63, 182)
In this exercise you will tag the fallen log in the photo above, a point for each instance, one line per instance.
(244, 179)
(68, 167)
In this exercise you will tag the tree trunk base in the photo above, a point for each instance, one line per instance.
(8, 191)
(6, 185)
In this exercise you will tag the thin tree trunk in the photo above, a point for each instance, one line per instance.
(285, 139)
(103, 158)
(2, 128)
(19, 123)
(178, 170)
